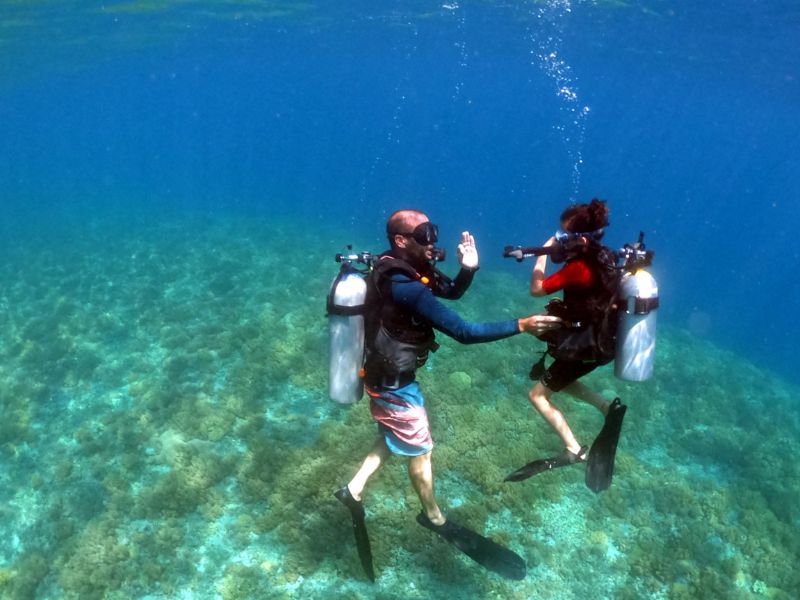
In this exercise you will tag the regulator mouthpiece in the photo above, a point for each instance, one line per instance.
(438, 255)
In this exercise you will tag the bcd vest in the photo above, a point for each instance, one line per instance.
(591, 310)
(397, 341)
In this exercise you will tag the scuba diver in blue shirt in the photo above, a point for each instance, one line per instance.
(403, 288)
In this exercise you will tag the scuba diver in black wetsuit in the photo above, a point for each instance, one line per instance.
(403, 287)
(590, 284)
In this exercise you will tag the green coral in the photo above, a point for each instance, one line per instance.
(98, 562)
(207, 415)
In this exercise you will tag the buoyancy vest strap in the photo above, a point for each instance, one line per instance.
(387, 263)
(436, 281)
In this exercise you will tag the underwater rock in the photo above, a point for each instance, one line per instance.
(460, 380)
(172, 446)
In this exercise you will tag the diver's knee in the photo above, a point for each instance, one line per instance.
(538, 395)
(419, 463)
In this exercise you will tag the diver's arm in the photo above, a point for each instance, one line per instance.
(537, 276)
(453, 290)
(415, 296)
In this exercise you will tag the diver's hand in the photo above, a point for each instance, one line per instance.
(468, 252)
(538, 324)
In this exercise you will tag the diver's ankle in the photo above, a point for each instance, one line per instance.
(576, 450)
(356, 497)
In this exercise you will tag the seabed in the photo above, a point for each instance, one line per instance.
(166, 433)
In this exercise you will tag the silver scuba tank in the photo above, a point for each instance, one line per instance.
(636, 330)
(346, 333)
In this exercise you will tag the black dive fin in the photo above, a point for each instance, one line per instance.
(600, 466)
(482, 550)
(535, 467)
(359, 529)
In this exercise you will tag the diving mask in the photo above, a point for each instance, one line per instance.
(566, 236)
(425, 234)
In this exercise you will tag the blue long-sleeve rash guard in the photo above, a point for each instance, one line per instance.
(419, 298)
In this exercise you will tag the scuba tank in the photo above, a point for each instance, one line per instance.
(346, 307)
(638, 304)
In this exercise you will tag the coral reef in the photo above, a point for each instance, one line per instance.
(166, 431)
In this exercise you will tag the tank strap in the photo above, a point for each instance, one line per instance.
(642, 306)
(345, 311)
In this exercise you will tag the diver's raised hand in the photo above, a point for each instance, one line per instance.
(468, 252)
(538, 324)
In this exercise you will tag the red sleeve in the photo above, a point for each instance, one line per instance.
(575, 274)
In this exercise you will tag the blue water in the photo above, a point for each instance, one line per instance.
(141, 132)
(682, 116)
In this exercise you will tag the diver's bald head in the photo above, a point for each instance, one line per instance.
(404, 221)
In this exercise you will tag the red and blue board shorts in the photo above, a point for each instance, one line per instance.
(402, 419)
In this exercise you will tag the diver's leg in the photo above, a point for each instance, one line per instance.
(581, 392)
(421, 473)
(379, 453)
(350, 496)
(540, 398)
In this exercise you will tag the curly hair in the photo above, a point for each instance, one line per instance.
(585, 217)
